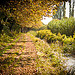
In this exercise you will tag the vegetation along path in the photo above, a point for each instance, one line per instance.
(20, 59)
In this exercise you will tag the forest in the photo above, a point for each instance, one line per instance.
(29, 47)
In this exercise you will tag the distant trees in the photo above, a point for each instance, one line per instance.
(61, 12)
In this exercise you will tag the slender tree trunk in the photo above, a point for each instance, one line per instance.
(21, 29)
(60, 13)
(69, 8)
(64, 10)
(73, 9)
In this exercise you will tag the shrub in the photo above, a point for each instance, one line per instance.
(4, 38)
(43, 27)
(68, 43)
(64, 26)
(43, 33)
(49, 36)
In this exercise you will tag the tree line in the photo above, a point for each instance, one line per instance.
(61, 12)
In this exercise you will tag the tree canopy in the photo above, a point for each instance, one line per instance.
(27, 13)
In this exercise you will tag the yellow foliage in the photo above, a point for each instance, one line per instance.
(30, 10)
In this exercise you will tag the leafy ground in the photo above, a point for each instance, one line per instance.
(20, 59)
(31, 56)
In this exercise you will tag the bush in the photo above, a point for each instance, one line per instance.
(64, 26)
(43, 27)
(68, 43)
(49, 36)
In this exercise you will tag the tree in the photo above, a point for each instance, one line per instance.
(73, 9)
(28, 12)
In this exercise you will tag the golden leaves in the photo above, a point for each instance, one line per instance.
(30, 11)
(14, 8)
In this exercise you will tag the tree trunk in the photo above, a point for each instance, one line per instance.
(21, 29)
(69, 8)
(73, 9)
(64, 10)
(60, 14)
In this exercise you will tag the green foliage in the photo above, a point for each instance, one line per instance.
(48, 62)
(33, 32)
(64, 26)
(49, 36)
(68, 40)
(9, 29)
(8, 23)
(5, 42)
(68, 43)
(43, 27)
(42, 33)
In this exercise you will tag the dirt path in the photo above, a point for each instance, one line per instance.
(20, 59)
(31, 56)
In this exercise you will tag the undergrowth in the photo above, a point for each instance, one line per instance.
(67, 43)
(49, 57)
(7, 42)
